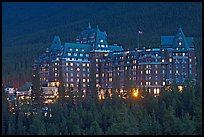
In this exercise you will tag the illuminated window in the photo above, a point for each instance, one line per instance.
(141, 71)
(87, 55)
(118, 68)
(83, 64)
(71, 85)
(170, 59)
(180, 43)
(183, 54)
(140, 83)
(77, 49)
(55, 68)
(70, 49)
(155, 91)
(55, 63)
(110, 74)
(82, 50)
(84, 80)
(147, 83)
(190, 59)
(77, 80)
(87, 65)
(87, 80)
(102, 74)
(78, 69)
(96, 60)
(176, 54)
(176, 48)
(110, 79)
(156, 54)
(101, 40)
(71, 64)
(158, 91)
(69, 54)
(156, 83)
(81, 55)
(156, 71)
(177, 71)
(126, 68)
(162, 60)
(147, 72)
(163, 83)
(67, 64)
(72, 80)
(71, 74)
(96, 75)
(55, 74)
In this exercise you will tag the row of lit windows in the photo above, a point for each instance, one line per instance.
(72, 80)
(76, 49)
(77, 64)
(72, 85)
(76, 54)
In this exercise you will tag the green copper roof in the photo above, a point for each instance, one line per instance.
(56, 44)
(113, 48)
(75, 49)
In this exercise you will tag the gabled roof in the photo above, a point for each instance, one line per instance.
(173, 41)
(56, 44)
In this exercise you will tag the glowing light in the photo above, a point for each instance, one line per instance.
(180, 88)
(136, 93)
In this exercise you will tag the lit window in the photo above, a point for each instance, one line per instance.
(78, 69)
(162, 60)
(156, 83)
(183, 54)
(163, 83)
(55, 63)
(96, 60)
(156, 71)
(101, 40)
(77, 80)
(72, 80)
(69, 54)
(75, 54)
(147, 83)
(147, 72)
(156, 54)
(180, 43)
(110, 79)
(55, 74)
(176, 48)
(99, 45)
(82, 50)
(87, 65)
(102, 74)
(67, 64)
(176, 54)
(141, 71)
(87, 55)
(71, 74)
(96, 75)
(83, 64)
(84, 80)
(170, 59)
(102, 46)
(140, 83)
(170, 72)
(157, 90)
(190, 59)
(126, 68)
(71, 64)
(81, 54)
(190, 71)
(71, 85)
(55, 68)
(70, 49)
(77, 49)
(87, 80)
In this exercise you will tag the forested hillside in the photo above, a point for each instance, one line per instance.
(28, 28)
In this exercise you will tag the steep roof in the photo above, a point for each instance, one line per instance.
(173, 41)
(75, 48)
(56, 44)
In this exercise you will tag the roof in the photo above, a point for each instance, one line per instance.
(173, 41)
(56, 44)
(115, 48)
(25, 87)
(75, 48)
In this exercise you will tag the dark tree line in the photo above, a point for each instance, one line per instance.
(172, 112)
